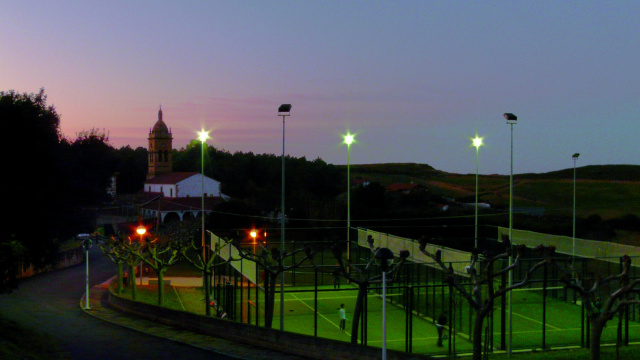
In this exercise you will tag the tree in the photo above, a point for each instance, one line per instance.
(114, 249)
(605, 298)
(272, 262)
(485, 277)
(36, 184)
(195, 255)
(359, 275)
(164, 249)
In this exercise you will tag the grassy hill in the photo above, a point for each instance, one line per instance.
(607, 190)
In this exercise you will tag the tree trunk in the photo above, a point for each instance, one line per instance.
(269, 306)
(132, 282)
(596, 334)
(160, 285)
(119, 288)
(477, 334)
(357, 312)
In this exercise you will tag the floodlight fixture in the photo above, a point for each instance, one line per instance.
(575, 156)
(203, 136)
(477, 141)
(511, 118)
(284, 110)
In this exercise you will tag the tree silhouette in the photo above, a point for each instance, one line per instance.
(600, 301)
(272, 262)
(484, 277)
(359, 275)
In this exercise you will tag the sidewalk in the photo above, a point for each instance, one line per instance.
(100, 309)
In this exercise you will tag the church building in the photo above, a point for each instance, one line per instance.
(174, 196)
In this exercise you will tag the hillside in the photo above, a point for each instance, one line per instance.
(607, 190)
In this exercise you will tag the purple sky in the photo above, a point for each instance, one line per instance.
(415, 80)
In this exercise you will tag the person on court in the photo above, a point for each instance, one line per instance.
(343, 317)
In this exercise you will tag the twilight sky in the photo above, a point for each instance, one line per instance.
(415, 80)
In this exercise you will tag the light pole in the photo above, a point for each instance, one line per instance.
(203, 136)
(349, 139)
(511, 120)
(477, 142)
(284, 110)
(573, 251)
(141, 230)
(385, 257)
(86, 244)
(253, 233)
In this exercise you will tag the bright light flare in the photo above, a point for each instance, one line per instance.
(477, 141)
(349, 139)
(141, 230)
(253, 233)
(203, 135)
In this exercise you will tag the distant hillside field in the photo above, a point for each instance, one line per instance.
(607, 190)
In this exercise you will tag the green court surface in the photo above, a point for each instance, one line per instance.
(562, 325)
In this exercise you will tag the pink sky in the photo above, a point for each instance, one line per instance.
(414, 80)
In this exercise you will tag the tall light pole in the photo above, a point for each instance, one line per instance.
(385, 257)
(253, 233)
(284, 110)
(203, 136)
(86, 244)
(349, 139)
(511, 120)
(477, 142)
(141, 230)
(573, 251)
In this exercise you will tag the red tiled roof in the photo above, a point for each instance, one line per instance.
(170, 178)
(401, 187)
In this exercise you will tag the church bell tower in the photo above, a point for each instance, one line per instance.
(160, 148)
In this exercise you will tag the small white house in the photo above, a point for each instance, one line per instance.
(182, 184)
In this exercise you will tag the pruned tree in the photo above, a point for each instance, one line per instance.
(164, 249)
(600, 301)
(113, 248)
(483, 292)
(195, 255)
(359, 275)
(272, 262)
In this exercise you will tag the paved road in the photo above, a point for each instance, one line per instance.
(49, 303)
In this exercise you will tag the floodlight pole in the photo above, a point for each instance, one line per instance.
(284, 110)
(348, 139)
(511, 120)
(203, 135)
(477, 141)
(573, 251)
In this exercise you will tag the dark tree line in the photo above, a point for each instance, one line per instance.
(49, 182)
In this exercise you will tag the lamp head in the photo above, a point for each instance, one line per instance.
(511, 118)
(349, 139)
(385, 257)
(203, 136)
(284, 110)
(477, 141)
(575, 156)
(141, 230)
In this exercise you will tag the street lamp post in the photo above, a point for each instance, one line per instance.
(253, 233)
(511, 120)
(141, 230)
(86, 244)
(573, 251)
(349, 139)
(477, 142)
(284, 110)
(385, 257)
(203, 136)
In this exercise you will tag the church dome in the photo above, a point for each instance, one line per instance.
(160, 128)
